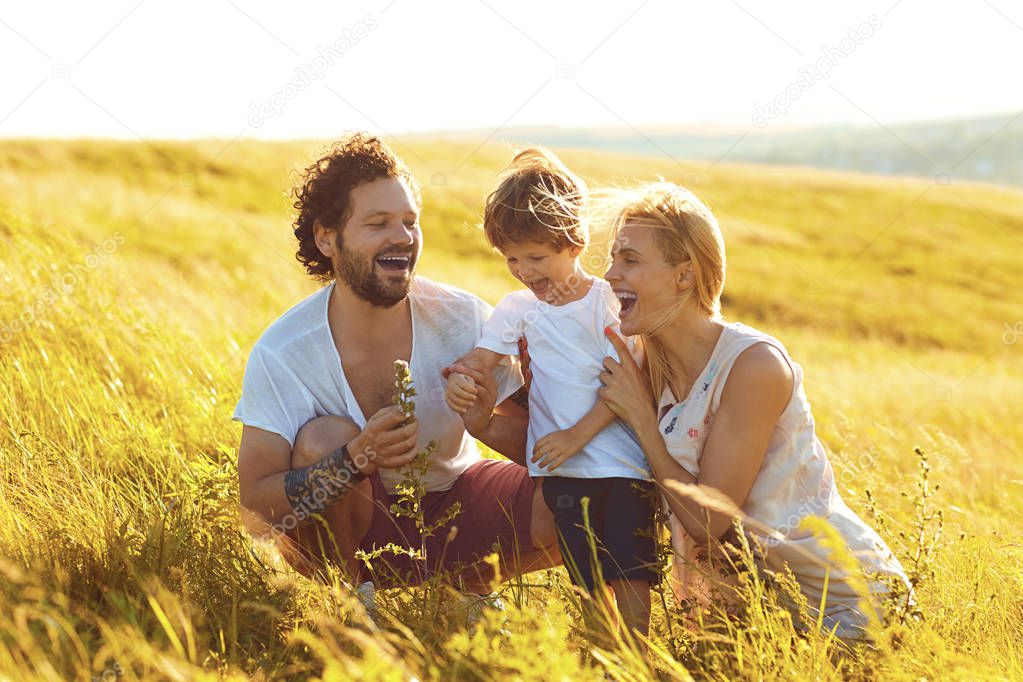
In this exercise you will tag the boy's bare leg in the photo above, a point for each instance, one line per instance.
(633, 597)
(600, 615)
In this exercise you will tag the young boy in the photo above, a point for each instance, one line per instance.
(535, 218)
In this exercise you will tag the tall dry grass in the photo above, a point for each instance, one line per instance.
(136, 278)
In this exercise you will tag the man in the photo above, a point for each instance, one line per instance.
(323, 444)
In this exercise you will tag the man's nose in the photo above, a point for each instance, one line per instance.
(403, 234)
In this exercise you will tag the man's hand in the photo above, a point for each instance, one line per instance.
(527, 374)
(556, 447)
(460, 393)
(385, 442)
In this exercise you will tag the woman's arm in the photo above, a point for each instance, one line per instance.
(755, 394)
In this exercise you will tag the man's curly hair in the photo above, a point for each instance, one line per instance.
(325, 192)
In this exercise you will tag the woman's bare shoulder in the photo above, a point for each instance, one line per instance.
(762, 368)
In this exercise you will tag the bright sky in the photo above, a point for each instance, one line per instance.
(220, 68)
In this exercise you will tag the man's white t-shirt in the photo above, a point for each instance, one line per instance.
(567, 347)
(294, 374)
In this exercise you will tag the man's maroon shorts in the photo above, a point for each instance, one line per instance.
(496, 499)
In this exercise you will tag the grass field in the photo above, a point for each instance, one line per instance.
(136, 277)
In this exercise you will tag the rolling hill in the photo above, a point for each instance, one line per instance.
(136, 276)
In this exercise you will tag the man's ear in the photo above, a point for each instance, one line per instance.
(326, 238)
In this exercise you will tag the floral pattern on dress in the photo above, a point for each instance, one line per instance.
(676, 410)
(712, 370)
(671, 425)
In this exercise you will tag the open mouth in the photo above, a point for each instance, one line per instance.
(627, 299)
(394, 263)
(539, 286)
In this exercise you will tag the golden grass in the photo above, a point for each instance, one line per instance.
(141, 274)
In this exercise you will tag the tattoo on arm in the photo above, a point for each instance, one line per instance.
(521, 398)
(312, 489)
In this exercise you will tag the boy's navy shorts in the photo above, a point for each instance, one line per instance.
(621, 517)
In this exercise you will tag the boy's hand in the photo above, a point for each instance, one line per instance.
(460, 393)
(556, 447)
(478, 417)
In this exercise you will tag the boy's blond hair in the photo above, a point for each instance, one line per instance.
(537, 200)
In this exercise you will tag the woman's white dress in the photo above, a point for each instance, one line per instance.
(795, 481)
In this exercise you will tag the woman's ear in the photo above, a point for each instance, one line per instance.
(575, 250)
(684, 275)
(325, 239)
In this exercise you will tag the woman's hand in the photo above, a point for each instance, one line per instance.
(626, 390)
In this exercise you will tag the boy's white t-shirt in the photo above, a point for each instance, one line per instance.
(294, 373)
(567, 347)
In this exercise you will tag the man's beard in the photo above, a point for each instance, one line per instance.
(359, 274)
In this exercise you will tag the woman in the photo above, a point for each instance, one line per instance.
(730, 411)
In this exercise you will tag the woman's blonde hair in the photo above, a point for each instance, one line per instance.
(539, 200)
(685, 231)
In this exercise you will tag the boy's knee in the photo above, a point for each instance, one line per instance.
(319, 437)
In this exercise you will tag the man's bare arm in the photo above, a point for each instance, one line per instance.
(264, 459)
(269, 486)
(519, 398)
